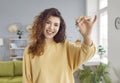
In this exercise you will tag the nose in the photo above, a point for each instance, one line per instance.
(51, 26)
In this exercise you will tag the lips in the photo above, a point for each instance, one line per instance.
(49, 32)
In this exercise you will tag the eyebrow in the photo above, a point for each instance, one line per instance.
(50, 21)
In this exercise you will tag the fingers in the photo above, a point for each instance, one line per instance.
(90, 19)
(83, 19)
(80, 20)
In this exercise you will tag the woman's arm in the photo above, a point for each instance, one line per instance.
(27, 69)
(77, 55)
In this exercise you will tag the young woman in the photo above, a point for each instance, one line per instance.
(49, 58)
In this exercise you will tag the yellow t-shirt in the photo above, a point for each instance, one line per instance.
(57, 64)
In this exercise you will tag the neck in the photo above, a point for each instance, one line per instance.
(48, 41)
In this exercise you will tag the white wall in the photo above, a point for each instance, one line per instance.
(113, 36)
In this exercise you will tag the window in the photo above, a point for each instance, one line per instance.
(103, 24)
(100, 34)
(103, 4)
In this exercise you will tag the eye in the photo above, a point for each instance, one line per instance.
(56, 25)
(47, 22)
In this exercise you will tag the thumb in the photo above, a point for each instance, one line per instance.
(95, 17)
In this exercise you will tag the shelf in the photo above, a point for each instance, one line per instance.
(16, 47)
(16, 58)
(17, 39)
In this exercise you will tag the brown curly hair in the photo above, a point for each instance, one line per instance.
(37, 38)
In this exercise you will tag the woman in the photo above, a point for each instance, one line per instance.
(49, 58)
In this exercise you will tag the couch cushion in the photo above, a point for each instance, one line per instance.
(18, 68)
(6, 68)
(17, 79)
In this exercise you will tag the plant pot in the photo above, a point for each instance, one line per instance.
(19, 37)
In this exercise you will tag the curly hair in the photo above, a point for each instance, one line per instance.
(37, 38)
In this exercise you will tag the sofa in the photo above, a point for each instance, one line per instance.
(10, 71)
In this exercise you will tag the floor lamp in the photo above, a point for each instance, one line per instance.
(1, 44)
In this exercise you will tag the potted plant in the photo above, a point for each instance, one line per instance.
(101, 51)
(19, 33)
(95, 74)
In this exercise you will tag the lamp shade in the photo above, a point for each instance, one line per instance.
(1, 42)
(12, 28)
(29, 27)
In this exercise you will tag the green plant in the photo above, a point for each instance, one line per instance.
(101, 50)
(19, 33)
(95, 74)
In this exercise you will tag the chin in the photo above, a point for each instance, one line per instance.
(50, 37)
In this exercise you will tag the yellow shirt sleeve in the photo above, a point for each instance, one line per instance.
(27, 69)
(77, 55)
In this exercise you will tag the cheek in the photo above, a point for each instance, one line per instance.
(44, 30)
(46, 26)
(57, 29)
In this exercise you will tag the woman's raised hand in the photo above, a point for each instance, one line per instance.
(85, 25)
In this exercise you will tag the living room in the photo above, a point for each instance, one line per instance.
(20, 14)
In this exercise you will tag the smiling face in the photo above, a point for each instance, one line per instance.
(51, 27)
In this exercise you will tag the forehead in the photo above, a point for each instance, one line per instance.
(54, 19)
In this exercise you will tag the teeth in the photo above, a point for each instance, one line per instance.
(49, 32)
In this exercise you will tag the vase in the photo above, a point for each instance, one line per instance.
(19, 37)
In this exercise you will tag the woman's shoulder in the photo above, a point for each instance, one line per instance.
(69, 42)
(26, 49)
